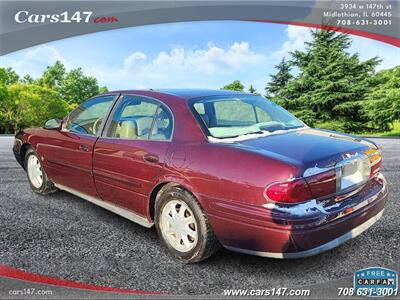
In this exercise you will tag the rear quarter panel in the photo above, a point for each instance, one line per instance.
(219, 173)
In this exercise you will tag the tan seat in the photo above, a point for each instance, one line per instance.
(127, 130)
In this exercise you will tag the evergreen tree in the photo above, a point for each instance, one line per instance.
(383, 101)
(252, 90)
(331, 85)
(278, 82)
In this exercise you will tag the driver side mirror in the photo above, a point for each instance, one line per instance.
(53, 124)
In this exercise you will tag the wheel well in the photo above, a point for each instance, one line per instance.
(155, 193)
(22, 152)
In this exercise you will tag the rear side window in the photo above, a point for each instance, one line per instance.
(163, 125)
(139, 118)
(132, 109)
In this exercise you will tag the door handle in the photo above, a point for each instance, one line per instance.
(152, 158)
(84, 147)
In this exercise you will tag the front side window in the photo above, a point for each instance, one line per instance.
(233, 116)
(138, 118)
(88, 117)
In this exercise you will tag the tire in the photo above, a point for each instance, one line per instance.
(196, 247)
(43, 186)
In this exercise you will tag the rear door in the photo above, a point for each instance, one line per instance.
(68, 152)
(130, 155)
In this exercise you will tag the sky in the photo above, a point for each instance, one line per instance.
(207, 54)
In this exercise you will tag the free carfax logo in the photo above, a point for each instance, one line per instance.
(375, 282)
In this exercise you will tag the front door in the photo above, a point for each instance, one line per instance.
(68, 152)
(130, 155)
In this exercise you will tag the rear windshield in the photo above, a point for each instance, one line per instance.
(233, 116)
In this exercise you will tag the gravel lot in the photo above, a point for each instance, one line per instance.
(66, 237)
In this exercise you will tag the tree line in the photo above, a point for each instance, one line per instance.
(323, 85)
(28, 102)
(327, 87)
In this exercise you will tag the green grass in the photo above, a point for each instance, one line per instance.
(395, 132)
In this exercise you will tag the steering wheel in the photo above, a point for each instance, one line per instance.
(96, 125)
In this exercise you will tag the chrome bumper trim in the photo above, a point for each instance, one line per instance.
(325, 247)
(107, 205)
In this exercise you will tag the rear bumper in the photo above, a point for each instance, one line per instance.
(282, 233)
(314, 251)
(17, 150)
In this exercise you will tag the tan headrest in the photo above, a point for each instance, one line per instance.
(127, 130)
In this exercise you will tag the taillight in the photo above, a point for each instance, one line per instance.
(303, 189)
(322, 184)
(344, 176)
(289, 191)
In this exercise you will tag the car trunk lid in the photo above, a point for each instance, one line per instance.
(310, 149)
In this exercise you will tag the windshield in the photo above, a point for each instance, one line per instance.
(234, 116)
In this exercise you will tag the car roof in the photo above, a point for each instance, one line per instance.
(186, 94)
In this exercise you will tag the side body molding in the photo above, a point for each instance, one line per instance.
(111, 207)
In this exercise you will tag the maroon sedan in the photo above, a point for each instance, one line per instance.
(210, 168)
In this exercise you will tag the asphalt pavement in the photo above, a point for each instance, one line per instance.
(68, 238)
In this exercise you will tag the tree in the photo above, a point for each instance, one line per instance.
(30, 106)
(53, 76)
(4, 79)
(383, 101)
(73, 86)
(8, 76)
(331, 85)
(234, 86)
(278, 82)
(76, 87)
(252, 90)
(3, 103)
(30, 103)
(103, 89)
(28, 79)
